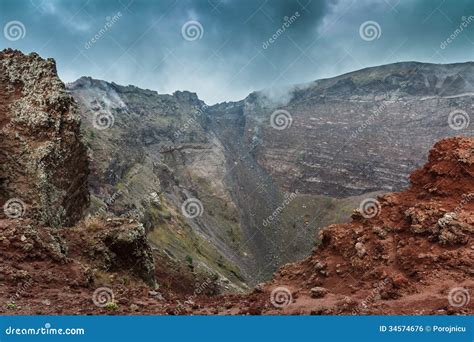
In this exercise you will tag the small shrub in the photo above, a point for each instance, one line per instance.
(111, 306)
(189, 259)
(11, 306)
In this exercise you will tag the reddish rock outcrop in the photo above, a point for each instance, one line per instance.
(414, 256)
(43, 163)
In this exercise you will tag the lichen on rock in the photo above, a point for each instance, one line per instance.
(43, 160)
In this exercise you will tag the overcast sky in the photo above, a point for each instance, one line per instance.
(226, 51)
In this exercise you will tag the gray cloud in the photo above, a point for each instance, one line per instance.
(245, 44)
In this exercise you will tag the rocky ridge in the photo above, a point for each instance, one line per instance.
(42, 159)
(359, 132)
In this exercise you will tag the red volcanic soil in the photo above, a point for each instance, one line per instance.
(414, 256)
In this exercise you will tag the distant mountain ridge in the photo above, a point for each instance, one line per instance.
(348, 136)
(369, 105)
(402, 78)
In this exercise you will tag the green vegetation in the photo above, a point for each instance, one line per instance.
(111, 306)
(176, 236)
(11, 306)
(189, 259)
